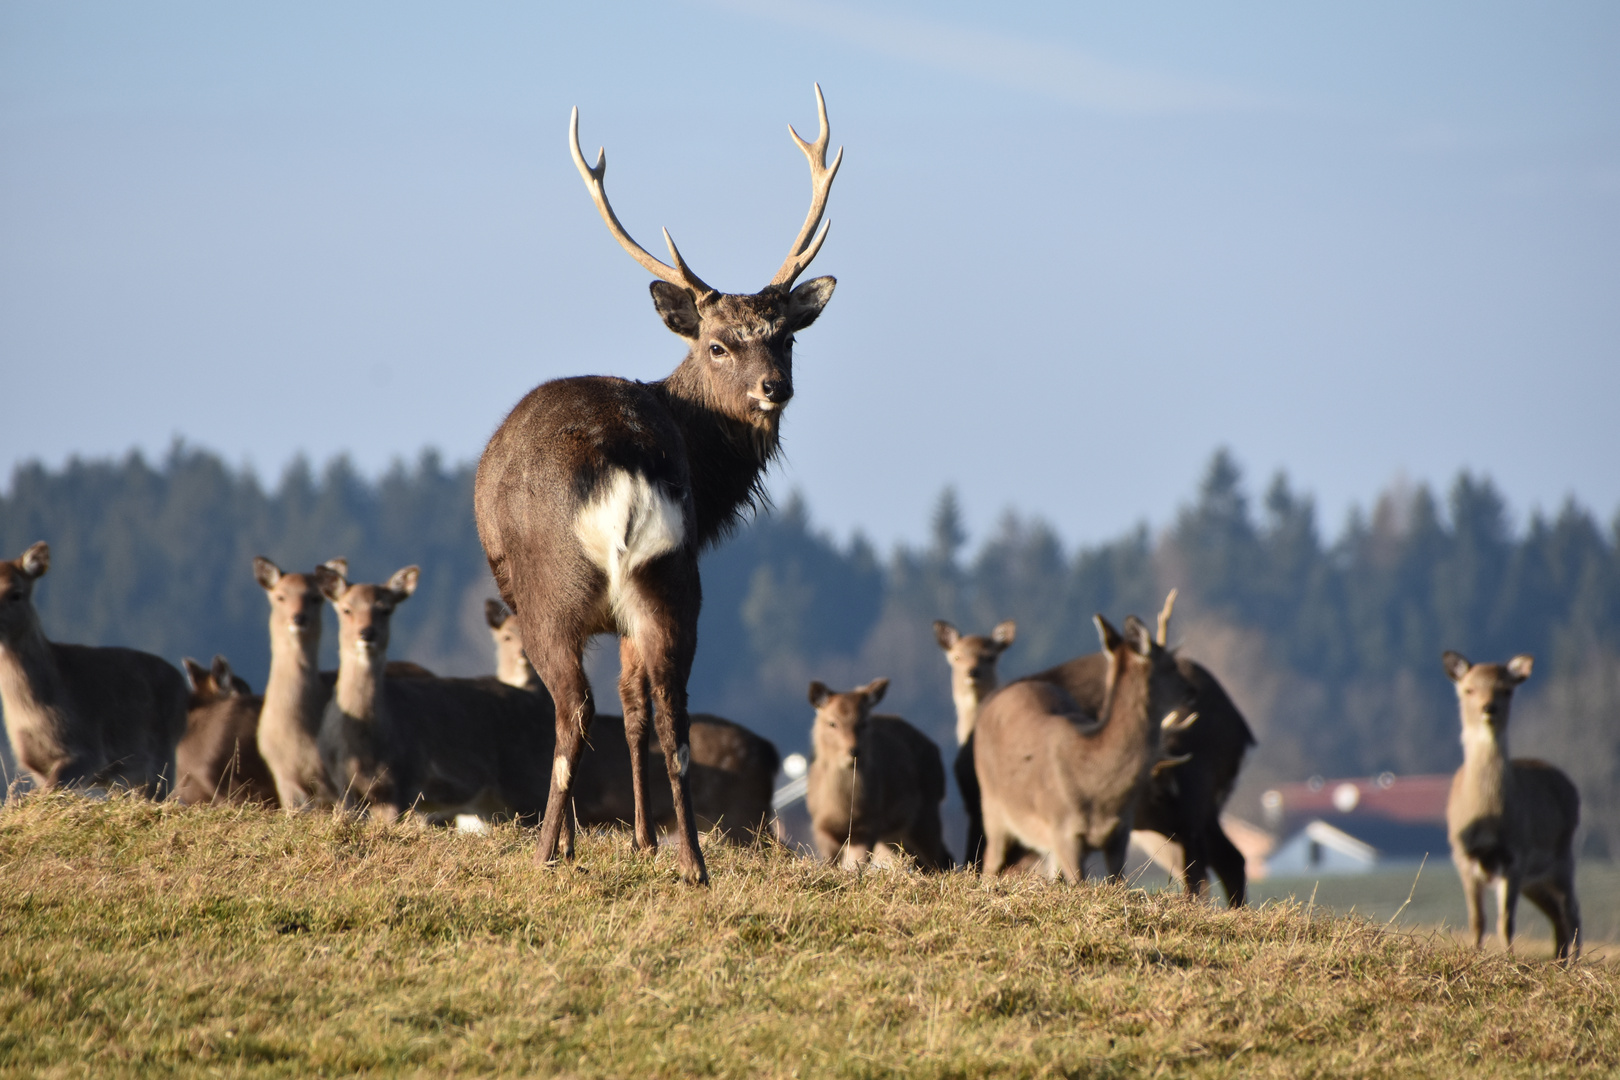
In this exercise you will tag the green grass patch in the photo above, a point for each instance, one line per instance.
(138, 938)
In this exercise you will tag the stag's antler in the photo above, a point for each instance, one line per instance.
(821, 177)
(679, 274)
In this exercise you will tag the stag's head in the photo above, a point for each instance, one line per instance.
(365, 612)
(1485, 693)
(841, 720)
(740, 346)
(1142, 677)
(17, 577)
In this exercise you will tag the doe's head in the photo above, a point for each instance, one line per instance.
(842, 719)
(1485, 691)
(17, 577)
(365, 612)
(295, 600)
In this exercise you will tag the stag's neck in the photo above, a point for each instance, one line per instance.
(359, 684)
(727, 455)
(31, 687)
(294, 694)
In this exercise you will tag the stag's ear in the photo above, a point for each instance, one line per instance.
(677, 308)
(1106, 633)
(805, 302)
(495, 614)
(195, 674)
(1004, 633)
(875, 690)
(1519, 667)
(36, 560)
(403, 583)
(819, 694)
(265, 572)
(331, 582)
(946, 634)
(1456, 665)
(340, 564)
(1140, 637)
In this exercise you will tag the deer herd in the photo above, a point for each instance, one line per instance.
(593, 501)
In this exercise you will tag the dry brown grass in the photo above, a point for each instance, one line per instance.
(138, 938)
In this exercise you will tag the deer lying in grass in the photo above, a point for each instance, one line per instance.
(596, 495)
(429, 746)
(1061, 783)
(1183, 802)
(733, 770)
(218, 757)
(874, 780)
(296, 694)
(78, 715)
(1512, 822)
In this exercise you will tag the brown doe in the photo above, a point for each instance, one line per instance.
(596, 495)
(432, 747)
(1510, 821)
(1062, 781)
(218, 757)
(733, 770)
(79, 715)
(875, 780)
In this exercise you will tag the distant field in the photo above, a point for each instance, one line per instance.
(138, 938)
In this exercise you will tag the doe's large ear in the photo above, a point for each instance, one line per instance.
(1004, 633)
(946, 634)
(195, 674)
(806, 301)
(819, 693)
(339, 563)
(677, 308)
(225, 680)
(1456, 665)
(875, 690)
(331, 582)
(1519, 667)
(495, 614)
(36, 560)
(403, 583)
(265, 572)
(1106, 633)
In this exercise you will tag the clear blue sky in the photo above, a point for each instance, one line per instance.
(1078, 246)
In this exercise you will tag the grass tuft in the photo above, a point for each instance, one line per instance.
(138, 938)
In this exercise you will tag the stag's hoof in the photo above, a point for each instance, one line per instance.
(693, 871)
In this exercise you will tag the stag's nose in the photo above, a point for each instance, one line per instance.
(776, 391)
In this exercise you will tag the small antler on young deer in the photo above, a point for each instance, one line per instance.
(805, 245)
(1164, 618)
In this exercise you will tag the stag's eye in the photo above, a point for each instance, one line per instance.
(717, 350)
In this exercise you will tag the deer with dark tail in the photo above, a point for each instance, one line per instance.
(596, 495)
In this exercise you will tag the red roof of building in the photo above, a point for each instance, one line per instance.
(1398, 798)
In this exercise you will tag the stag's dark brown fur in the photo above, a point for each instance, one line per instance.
(596, 495)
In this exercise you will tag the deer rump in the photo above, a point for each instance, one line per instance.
(1182, 803)
(439, 747)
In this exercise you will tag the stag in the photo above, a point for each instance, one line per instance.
(596, 495)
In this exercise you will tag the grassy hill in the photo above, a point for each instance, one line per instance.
(139, 938)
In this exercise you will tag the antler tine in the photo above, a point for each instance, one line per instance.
(679, 274)
(1164, 618)
(808, 242)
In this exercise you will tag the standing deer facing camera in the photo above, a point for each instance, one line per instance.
(1512, 821)
(596, 494)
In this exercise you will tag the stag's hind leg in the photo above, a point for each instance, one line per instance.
(563, 673)
(633, 695)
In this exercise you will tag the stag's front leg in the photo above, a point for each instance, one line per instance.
(634, 697)
(667, 642)
(565, 679)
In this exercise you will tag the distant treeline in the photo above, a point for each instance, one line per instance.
(1331, 648)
